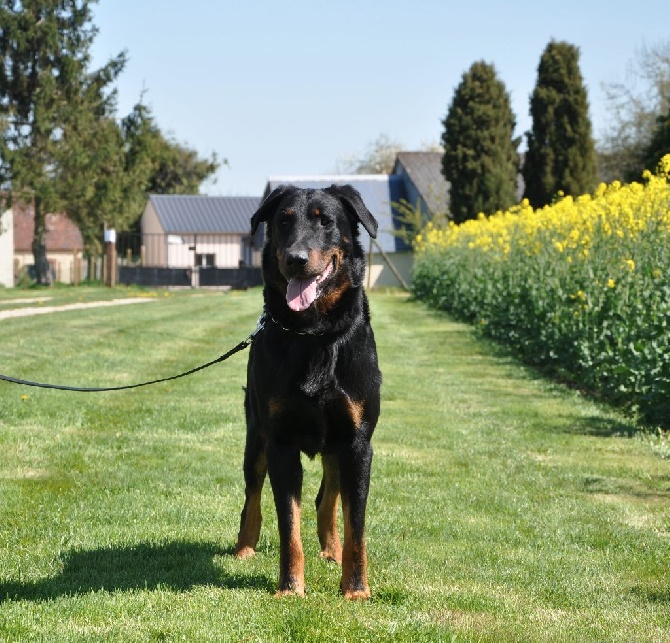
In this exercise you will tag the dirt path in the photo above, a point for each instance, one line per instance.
(43, 310)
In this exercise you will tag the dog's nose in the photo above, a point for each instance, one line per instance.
(297, 258)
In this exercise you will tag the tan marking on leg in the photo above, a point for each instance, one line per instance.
(354, 563)
(326, 516)
(250, 530)
(356, 411)
(294, 583)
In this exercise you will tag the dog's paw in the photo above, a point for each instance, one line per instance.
(244, 552)
(332, 556)
(290, 591)
(357, 594)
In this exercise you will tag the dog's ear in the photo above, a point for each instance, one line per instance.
(353, 202)
(268, 207)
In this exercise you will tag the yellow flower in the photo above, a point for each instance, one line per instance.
(630, 263)
(610, 283)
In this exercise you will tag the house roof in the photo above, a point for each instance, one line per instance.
(378, 192)
(424, 169)
(186, 213)
(62, 235)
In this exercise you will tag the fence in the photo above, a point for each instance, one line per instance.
(157, 260)
(208, 261)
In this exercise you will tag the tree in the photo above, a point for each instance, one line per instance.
(634, 110)
(100, 186)
(45, 82)
(659, 145)
(379, 158)
(177, 169)
(109, 169)
(480, 159)
(561, 153)
(162, 165)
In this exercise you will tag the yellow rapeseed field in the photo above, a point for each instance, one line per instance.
(581, 285)
(570, 225)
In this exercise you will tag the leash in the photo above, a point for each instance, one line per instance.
(236, 349)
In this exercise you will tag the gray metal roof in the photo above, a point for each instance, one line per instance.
(186, 213)
(425, 171)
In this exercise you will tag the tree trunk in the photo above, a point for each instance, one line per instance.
(42, 272)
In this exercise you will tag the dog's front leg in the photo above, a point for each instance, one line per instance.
(355, 463)
(285, 470)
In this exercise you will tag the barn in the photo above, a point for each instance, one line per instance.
(186, 231)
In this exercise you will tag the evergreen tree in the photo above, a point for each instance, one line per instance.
(480, 160)
(561, 153)
(45, 82)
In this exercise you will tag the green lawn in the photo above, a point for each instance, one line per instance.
(502, 507)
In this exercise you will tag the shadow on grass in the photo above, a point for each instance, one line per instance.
(602, 427)
(177, 566)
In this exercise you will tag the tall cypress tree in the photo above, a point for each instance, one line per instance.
(480, 160)
(45, 82)
(561, 153)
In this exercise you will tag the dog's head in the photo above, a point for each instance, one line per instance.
(312, 235)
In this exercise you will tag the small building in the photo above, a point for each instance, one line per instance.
(189, 231)
(63, 241)
(7, 249)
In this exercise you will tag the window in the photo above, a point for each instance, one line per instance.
(205, 260)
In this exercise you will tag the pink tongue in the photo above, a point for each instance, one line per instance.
(301, 293)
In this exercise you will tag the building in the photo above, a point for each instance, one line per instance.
(423, 181)
(186, 231)
(63, 241)
(7, 249)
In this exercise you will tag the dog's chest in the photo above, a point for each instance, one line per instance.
(313, 371)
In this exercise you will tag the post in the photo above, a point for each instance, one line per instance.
(76, 268)
(110, 252)
(389, 263)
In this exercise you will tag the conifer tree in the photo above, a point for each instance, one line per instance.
(45, 83)
(561, 154)
(480, 160)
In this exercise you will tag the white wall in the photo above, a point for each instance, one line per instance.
(7, 249)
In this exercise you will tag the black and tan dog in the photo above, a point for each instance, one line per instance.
(313, 381)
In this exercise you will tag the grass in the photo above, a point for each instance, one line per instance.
(503, 507)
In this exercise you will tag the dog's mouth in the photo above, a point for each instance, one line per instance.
(302, 292)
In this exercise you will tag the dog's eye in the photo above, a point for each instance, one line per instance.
(325, 221)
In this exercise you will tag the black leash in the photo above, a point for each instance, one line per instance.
(236, 349)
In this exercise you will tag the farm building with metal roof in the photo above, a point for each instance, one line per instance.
(183, 231)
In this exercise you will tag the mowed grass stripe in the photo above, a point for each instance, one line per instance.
(502, 507)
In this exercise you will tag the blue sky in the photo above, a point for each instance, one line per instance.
(293, 86)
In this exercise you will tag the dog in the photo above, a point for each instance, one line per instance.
(313, 380)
